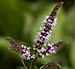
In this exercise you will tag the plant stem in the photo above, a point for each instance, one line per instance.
(31, 64)
(24, 64)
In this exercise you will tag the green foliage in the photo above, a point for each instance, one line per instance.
(21, 20)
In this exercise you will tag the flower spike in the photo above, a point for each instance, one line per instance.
(22, 50)
(47, 27)
(51, 49)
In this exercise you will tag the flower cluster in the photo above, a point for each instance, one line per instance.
(51, 49)
(52, 65)
(47, 27)
(41, 39)
(45, 32)
(26, 53)
(23, 50)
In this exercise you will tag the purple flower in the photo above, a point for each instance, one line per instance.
(22, 50)
(41, 39)
(44, 34)
(47, 27)
(51, 49)
(25, 52)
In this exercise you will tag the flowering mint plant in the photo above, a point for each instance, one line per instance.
(41, 46)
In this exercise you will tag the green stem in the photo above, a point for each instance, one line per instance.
(24, 64)
(31, 64)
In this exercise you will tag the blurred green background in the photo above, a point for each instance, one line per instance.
(21, 20)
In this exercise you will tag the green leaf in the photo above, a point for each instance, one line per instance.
(19, 67)
(35, 67)
(41, 67)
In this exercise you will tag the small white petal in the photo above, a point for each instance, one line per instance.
(47, 54)
(27, 52)
(24, 47)
(23, 50)
(54, 51)
(52, 48)
(28, 58)
(28, 48)
(43, 56)
(50, 51)
(44, 44)
(49, 20)
(43, 49)
(47, 17)
(33, 56)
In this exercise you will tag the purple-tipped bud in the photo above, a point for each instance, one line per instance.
(52, 65)
(22, 50)
(14, 44)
